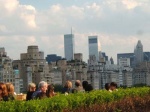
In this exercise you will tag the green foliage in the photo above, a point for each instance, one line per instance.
(72, 101)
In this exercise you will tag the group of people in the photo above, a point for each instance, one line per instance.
(6, 92)
(45, 90)
(84, 87)
(111, 86)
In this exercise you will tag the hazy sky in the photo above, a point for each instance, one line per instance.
(119, 24)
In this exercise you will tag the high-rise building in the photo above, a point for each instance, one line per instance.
(93, 47)
(126, 55)
(111, 60)
(69, 46)
(138, 53)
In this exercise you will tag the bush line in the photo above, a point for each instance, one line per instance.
(72, 102)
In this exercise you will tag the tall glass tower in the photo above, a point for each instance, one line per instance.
(69, 46)
(93, 47)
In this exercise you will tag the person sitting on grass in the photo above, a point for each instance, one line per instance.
(113, 86)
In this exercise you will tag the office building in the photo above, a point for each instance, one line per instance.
(69, 46)
(53, 58)
(93, 47)
(141, 74)
(138, 51)
(124, 62)
(105, 56)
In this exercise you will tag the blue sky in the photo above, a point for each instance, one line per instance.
(44, 4)
(119, 24)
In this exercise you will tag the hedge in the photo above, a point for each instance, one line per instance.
(73, 101)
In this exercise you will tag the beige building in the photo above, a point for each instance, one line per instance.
(141, 74)
(6, 69)
(78, 56)
(33, 67)
(8, 73)
(127, 78)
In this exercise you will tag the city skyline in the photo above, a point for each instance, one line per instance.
(44, 23)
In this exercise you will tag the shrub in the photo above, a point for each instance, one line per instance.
(101, 99)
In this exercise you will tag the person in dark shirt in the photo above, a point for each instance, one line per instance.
(67, 88)
(87, 87)
(43, 88)
(31, 90)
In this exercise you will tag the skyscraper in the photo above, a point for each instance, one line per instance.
(69, 46)
(138, 53)
(93, 46)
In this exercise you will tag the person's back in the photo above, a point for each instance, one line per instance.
(78, 87)
(10, 90)
(67, 88)
(89, 88)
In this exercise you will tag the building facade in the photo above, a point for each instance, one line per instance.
(69, 46)
(33, 67)
(93, 46)
(53, 58)
(138, 51)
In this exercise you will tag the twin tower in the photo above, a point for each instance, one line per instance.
(70, 49)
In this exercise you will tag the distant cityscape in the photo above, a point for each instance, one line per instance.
(132, 69)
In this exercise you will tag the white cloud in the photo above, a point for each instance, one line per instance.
(118, 24)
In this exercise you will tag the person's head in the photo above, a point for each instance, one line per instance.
(31, 87)
(10, 88)
(113, 86)
(3, 90)
(77, 83)
(68, 84)
(107, 86)
(89, 87)
(43, 86)
(50, 90)
(85, 84)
